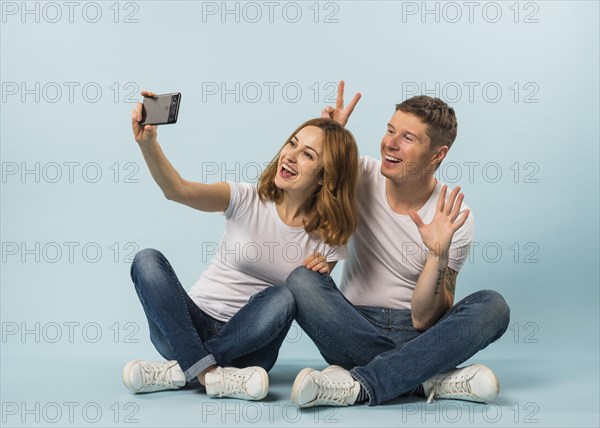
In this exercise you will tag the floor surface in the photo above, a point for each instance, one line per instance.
(550, 390)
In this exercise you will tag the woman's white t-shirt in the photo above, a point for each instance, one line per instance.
(257, 250)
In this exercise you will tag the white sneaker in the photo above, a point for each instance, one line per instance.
(150, 376)
(250, 383)
(472, 383)
(333, 386)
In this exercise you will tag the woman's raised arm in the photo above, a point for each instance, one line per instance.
(201, 196)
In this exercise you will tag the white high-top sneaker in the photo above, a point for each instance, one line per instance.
(472, 383)
(250, 383)
(150, 376)
(333, 386)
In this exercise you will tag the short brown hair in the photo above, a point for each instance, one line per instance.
(436, 114)
(332, 209)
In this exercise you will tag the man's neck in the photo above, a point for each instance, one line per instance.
(409, 196)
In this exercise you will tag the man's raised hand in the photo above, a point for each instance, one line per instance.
(437, 235)
(339, 113)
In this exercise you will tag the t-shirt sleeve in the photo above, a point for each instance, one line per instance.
(367, 166)
(332, 253)
(461, 244)
(336, 252)
(241, 197)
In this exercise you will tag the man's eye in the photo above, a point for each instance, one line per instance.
(292, 143)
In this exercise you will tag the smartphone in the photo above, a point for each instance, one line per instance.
(160, 109)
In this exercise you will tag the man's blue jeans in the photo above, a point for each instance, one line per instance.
(380, 346)
(181, 331)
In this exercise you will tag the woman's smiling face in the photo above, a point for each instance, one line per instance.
(300, 162)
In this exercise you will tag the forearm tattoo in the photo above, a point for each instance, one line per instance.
(450, 281)
(446, 276)
(439, 281)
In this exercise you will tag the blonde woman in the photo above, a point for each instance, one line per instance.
(227, 331)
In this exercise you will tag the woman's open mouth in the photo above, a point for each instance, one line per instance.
(287, 172)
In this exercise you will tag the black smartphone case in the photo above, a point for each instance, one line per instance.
(161, 109)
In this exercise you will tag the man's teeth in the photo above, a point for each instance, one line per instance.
(287, 168)
(392, 159)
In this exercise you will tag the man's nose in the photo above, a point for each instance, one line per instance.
(393, 144)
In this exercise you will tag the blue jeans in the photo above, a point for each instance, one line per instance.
(181, 331)
(380, 346)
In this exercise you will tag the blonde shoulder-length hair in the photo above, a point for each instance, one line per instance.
(332, 208)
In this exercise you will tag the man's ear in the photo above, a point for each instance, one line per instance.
(440, 154)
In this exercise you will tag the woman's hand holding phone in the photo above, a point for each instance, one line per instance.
(145, 135)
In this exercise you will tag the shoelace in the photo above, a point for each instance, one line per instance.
(233, 384)
(334, 391)
(156, 374)
(448, 385)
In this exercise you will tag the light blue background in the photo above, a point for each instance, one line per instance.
(549, 355)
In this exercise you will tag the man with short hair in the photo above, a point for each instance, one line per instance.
(393, 328)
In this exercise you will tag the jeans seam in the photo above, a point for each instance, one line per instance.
(187, 312)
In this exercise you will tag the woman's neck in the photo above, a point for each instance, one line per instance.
(292, 211)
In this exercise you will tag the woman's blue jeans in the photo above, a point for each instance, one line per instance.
(380, 346)
(181, 331)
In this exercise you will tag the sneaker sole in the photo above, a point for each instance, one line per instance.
(296, 387)
(125, 375)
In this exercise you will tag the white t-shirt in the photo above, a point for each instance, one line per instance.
(386, 252)
(257, 250)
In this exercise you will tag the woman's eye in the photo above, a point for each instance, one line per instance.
(308, 155)
(292, 144)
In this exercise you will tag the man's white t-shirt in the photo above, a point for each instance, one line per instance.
(386, 252)
(257, 250)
